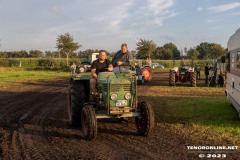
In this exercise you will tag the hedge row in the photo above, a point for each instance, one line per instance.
(62, 63)
(37, 62)
(171, 63)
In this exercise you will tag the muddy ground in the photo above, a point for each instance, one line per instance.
(34, 125)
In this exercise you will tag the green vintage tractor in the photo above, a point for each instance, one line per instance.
(117, 98)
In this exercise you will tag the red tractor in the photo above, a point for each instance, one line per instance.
(183, 74)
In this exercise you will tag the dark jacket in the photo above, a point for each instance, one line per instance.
(123, 57)
(207, 70)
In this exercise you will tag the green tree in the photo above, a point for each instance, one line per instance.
(163, 53)
(210, 50)
(203, 49)
(145, 48)
(216, 50)
(173, 48)
(167, 53)
(193, 53)
(35, 53)
(23, 54)
(66, 45)
(49, 54)
(159, 53)
(3, 55)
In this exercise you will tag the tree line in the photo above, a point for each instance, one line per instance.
(67, 48)
(205, 50)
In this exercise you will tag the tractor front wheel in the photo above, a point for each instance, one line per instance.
(77, 96)
(146, 121)
(89, 122)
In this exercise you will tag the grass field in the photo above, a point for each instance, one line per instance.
(9, 74)
(201, 107)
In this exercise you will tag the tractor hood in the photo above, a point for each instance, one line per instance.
(119, 81)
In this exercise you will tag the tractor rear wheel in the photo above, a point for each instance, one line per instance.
(193, 79)
(77, 96)
(89, 122)
(146, 121)
(172, 78)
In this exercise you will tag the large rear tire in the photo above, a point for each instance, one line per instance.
(193, 80)
(172, 78)
(89, 122)
(77, 97)
(146, 121)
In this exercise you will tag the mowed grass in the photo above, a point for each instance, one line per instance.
(8, 74)
(204, 108)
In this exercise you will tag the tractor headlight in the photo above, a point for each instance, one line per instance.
(128, 96)
(114, 96)
(81, 69)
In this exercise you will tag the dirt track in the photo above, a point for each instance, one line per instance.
(34, 125)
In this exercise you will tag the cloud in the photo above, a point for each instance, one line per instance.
(113, 17)
(224, 7)
(160, 10)
(159, 6)
(199, 9)
(56, 10)
(209, 20)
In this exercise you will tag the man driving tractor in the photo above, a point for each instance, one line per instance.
(121, 58)
(99, 65)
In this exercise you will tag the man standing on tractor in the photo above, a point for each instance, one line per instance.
(99, 65)
(122, 57)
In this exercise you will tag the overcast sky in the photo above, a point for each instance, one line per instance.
(106, 24)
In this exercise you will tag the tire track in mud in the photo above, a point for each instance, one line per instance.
(31, 105)
(37, 144)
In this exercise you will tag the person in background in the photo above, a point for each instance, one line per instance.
(148, 62)
(206, 70)
(99, 65)
(122, 57)
(137, 67)
(221, 80)
(198, 70)
(73, 68)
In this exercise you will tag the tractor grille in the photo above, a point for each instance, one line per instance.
(117, 87)
(127, 88)
(104, 87)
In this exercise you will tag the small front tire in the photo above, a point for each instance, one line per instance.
(146, 121)
(89, 122)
